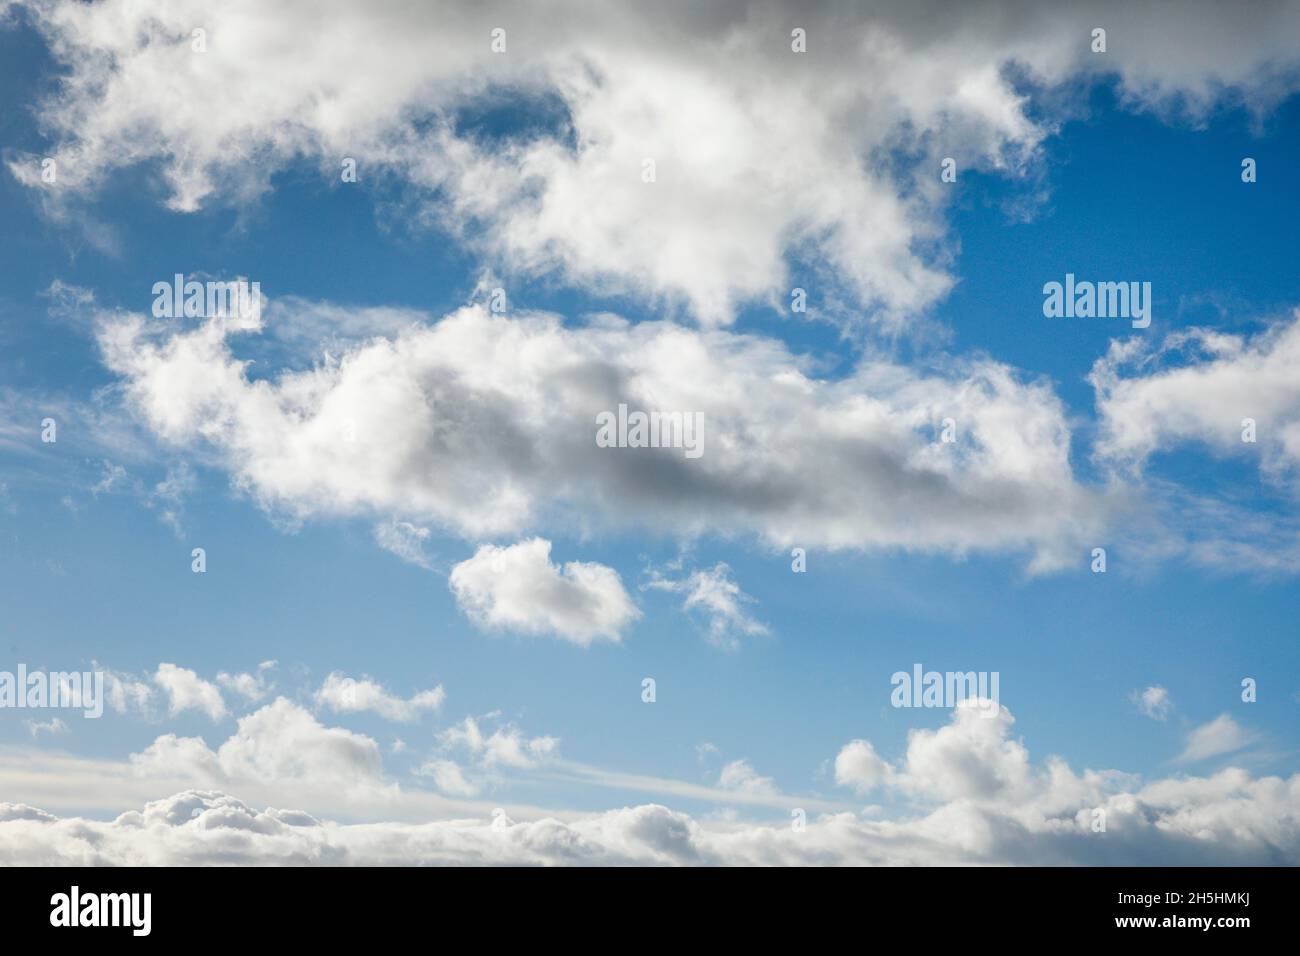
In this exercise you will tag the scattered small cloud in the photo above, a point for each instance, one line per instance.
(517, 588)
(1155, 702)
(54, 726)
(740, 775)
(343, 694)
(185, 690)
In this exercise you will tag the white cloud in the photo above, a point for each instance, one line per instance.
(790, 154)
(720, 599)
(517, 588)
(1222, 735)
(170, 756)
(1195, 389)
(252, 687)
(485, 425)
(185, 690)
(1198, 386)
(125, 692)
(343, 694)
(740, 775)
(1227, 819)
(280, 745)
(969, 796)
(857, 766)
(970, 758)
(115, 477)
(1154, 701)
(505, 747)
(53, 726)
(283, 740)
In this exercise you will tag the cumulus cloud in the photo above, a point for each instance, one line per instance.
(185, 690)
(343, 694)
(517, 588)
(857, 766)
(973, 761)
(482, 425)
(171, 756)
(792, 154)
(1222, 735)
(715, 594)
(485, 425)
(1154, 701)
(1235, 396)
(1199, 386)
(182, 689)
(971, 758)
(281, 744)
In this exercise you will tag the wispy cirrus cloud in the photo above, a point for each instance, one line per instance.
(1222, 735)
(714, 593)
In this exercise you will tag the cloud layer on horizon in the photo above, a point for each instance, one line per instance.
(973, 797)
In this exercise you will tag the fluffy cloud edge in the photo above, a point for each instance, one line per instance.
(547, 206)
(517, 589)
(484, 425)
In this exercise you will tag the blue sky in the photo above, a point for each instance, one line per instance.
(1107, 185)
